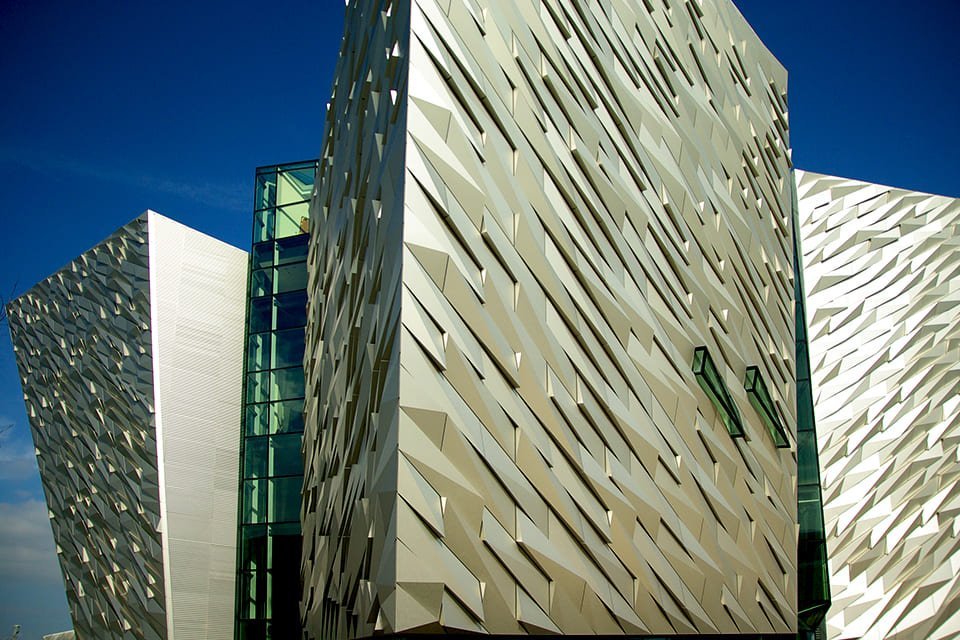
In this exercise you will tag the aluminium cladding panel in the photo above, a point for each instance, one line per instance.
(588, 194)
(593, 190)
(352, 356)
(82, 338)
(198, 287)
(151, 317)
(882, 276)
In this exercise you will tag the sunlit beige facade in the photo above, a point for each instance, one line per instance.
(529, 218)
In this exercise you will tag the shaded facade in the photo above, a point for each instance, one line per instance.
(533, 223)
(882, 276)
(271, 470)
(128, 359)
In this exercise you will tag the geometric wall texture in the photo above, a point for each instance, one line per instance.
(882, 275)
(529, 217)
(130, 360)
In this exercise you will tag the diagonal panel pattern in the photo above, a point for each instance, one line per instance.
(352, 359)
(588, 192)
(569, 240)
(882, 276)
(83, 343)
(130, 358)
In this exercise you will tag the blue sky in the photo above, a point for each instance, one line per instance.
(114, 107)
(110, 108)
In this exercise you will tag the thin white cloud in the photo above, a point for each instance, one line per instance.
(18, 467)
(230, 197)
(29, 554)
(18, 461)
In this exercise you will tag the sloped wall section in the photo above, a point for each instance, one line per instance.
(83, 344)
(593, 191)
(130, 361)
(589, 193)
(198, 293)
(352, 355)
(882, 271)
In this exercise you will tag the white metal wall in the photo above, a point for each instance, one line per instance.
(882, 276)
(198, 295)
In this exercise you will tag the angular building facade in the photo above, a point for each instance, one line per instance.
(129, 359)
(882, 269)
(550, 366)
(539, 352)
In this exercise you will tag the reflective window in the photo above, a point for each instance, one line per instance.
(262, 255)
(285, 499)
(291, 310)
(287, 416)
(254, 501)
(261, 283)
(292, 249)
(288, 348)
(257, 420)
(258, 386)
(255, 458)
(713, 385)
(253, 548)
(268, 557)
(285, 459)
(763, 403)
(258, 351)
(261, 315)
(287, 384)
(291, 277)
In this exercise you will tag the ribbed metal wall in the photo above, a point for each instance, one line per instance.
(199, 293)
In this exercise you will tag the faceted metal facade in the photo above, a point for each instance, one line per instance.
(130, 360)
(529, 216)
(882, 271)
(351, 364)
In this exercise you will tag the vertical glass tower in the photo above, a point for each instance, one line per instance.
(271, 467)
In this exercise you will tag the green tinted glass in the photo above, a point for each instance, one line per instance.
(285, 459)
(763, 403)
(254, 501)
(287, 416)
(257, 420)
(255, 457)
(713, 385)
(258, 351)
(285, 499)
(268, 553)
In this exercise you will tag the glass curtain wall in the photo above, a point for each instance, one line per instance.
(271, 466)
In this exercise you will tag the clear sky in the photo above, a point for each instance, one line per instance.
(110, 108)
(113, 107)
